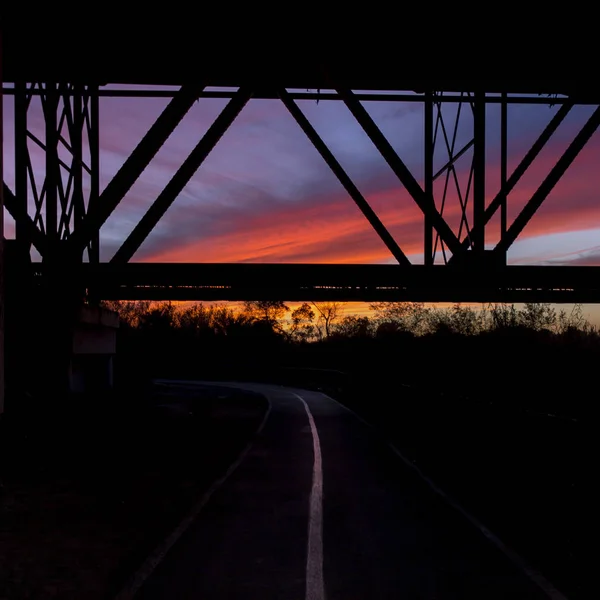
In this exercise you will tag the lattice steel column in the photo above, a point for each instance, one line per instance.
(457, 157)
(56, 181)
(59, 198)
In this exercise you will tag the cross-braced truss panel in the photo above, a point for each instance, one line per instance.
(65, 209)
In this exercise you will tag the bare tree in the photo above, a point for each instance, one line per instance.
(328, 314)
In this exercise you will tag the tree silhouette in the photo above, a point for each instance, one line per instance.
(328, 314)
(461, 320)
(352, 326)
(302, 328)
(267, 311)
(411, 317)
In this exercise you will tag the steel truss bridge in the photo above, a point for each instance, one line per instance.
(61, 217)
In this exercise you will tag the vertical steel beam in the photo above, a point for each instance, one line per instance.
(478, 233)
(503, 167)
(76, 141)
(503, 161)
(93, 135)
(429, 148)
(52, 166)
(21, 160)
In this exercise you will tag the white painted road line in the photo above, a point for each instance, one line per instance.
(315, 585)
(516, 559)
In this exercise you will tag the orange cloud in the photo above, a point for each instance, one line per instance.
(330, 230)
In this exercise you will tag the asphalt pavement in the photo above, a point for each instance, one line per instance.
(321, 507)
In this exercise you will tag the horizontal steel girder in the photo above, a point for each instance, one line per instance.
(366, 283)
(29, 58)
(270, 93)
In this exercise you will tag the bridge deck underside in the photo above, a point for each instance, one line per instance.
(366, 283)
(156, 54)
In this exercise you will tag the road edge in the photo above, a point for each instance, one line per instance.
(137, 580)
(532, 574)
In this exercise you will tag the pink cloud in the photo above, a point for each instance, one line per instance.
(331, 229)
(252, 202)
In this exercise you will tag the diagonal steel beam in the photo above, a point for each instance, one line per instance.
(423, 200)
(344, 179)
(23, 220)
(559, 169)
(522, 167)
(181, 178)
(133, 167)
(453, 160)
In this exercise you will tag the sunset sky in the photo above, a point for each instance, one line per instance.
(266, 195)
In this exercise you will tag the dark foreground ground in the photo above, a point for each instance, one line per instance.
(86, 494)
(520, 472)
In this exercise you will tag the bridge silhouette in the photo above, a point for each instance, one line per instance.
(64, 219)
(61, 217)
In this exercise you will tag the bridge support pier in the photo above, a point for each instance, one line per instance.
(58, 345)
(94, 345)
(38, 328)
